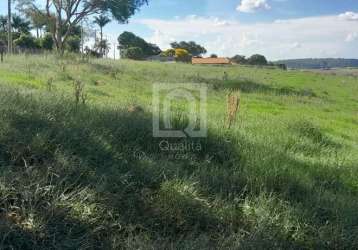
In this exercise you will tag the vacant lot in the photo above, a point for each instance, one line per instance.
(91, 175)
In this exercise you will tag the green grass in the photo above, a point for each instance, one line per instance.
(93, 177)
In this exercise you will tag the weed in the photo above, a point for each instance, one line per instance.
(233, 107)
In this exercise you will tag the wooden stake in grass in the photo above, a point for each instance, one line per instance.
(50, 84)
(79, 92)
(233, 107)
(2, 50)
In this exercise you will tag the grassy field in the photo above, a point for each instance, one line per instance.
(91, 176)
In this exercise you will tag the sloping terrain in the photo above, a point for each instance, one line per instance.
(91, 176)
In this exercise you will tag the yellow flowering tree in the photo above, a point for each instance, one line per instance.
(182, 55)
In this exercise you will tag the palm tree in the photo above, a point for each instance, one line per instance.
(103, 46)
(20, 25)
(101, 21)
(3, 23)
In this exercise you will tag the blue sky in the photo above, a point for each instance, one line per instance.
(276, 28)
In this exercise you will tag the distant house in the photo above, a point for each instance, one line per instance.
(211, 61)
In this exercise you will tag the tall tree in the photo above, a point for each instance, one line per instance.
(129, 40)
(257, 60)
(101, 21)
(69, 13)
(38, 20)
(192, 47)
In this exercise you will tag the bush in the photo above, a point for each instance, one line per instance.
(26, 41)
(134, 53)
(73, 44)
(47, 42)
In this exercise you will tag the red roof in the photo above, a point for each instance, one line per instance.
(221, 60)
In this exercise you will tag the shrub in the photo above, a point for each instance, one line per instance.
(47, 42)
(73, 44)
(26, 41)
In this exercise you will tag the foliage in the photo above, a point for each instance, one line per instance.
(257, 60)
(20, 25)
(134, 53)
(193, 48)
(101, 21)
(73, 44)
(26, 41)
(102, 47)
(3, 23)
(47, 42)
(127, 40)
(66, 15)
(213, 56)
(168, 53)
(239, 59)
(182, 55)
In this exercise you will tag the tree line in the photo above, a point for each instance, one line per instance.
(61, 22)
(136, 48)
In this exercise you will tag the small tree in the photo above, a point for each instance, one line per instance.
(134, 53)
(182, 55)
(213, 56)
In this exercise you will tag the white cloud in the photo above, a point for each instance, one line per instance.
(351, 37)
(250, 6)
(296, 45)
(349, 15)
(322, 36)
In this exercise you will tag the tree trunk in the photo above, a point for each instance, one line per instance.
(101, 49)
(59, 44)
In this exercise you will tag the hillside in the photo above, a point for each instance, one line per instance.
(91, 176)
(319, 63)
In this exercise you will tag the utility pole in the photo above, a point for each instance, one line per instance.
(9, 28)
(82, 38)
(114, 50)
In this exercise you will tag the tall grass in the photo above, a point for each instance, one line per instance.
(93, 177)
